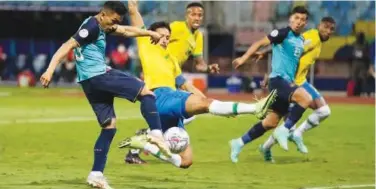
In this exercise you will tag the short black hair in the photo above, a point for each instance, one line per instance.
(328, 19)
(300, 10)
(161, 24)
(195, 4)
(116, 6)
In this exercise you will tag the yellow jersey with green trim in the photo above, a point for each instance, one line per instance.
(184, 43)
(159, 67)
(312, 50)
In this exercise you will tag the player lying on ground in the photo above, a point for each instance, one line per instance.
(101, 83)
(186, 40)
(162, 74)
(312, 48)
(287, 49)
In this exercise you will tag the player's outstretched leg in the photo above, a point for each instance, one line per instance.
(303, 100)
(197, 105)
(255, 132)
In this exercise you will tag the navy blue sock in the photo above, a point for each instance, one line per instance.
(255, 132)
(295, 114)
(101, 148)
(149, 112)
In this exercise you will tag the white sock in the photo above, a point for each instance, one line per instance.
(189, 120)
(240, 141)
(230, 108)
(269, 143)
(156, 132)
(313, 120)
(96, 173)
(154, 150)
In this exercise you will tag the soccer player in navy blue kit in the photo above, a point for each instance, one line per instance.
(287, 47)
(101, 84)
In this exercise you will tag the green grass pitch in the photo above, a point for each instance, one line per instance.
(47, 137)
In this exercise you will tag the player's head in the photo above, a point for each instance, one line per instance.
(326, 27)
(298, 18)
(194, 15)
(111, 13)
(164, 29)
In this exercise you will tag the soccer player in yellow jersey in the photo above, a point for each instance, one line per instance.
(312, 48)
(187, 40)
(163, 76)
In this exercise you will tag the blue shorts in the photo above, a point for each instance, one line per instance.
(311, 90)
(171, 106)
(101, 90)
(285, 90)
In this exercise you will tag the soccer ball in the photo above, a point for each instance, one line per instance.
(177, 139)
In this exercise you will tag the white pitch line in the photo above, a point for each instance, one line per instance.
(343, 186)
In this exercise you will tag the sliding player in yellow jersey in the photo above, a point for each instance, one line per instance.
(186, 41)
(162, 75)
(314, 39)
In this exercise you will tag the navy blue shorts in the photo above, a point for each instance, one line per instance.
(101, 90)
(285, 90)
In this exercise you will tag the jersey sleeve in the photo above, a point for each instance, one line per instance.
(87, 33)
(198, 50)
(277, 36)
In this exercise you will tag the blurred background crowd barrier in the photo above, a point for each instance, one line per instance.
(32, 32)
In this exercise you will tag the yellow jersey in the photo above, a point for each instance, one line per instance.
(159, 68)
(184, 43)
(312, 49)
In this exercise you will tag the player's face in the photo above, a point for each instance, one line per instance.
(163, 42)
(326, 29)
(298, 21)
(109, 18)
(194, 17)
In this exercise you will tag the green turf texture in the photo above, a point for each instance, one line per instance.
(57, 153)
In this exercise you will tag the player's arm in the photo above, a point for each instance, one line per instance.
(88, 33)
(137, 25)
(251, 51)
(198, 58)
(183, 84)
(275, 37)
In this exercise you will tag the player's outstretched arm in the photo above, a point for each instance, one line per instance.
(56, 59)
(251, 51)
(182, 84)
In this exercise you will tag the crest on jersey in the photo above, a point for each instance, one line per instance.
(83, 33)
(274, 33)
(307, 42)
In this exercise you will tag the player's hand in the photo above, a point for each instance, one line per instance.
(238, 62)
(213, 68)
(258, 56)
(45, 79)
(155, 37)
(264, 84)
(132, 5)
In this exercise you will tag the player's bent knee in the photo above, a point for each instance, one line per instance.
(324, 112)
(109, 123)
(302, 97)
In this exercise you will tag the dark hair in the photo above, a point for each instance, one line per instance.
(300, 10)
(195, 4)
(328, 19)
(161, 24)
(116, 6)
